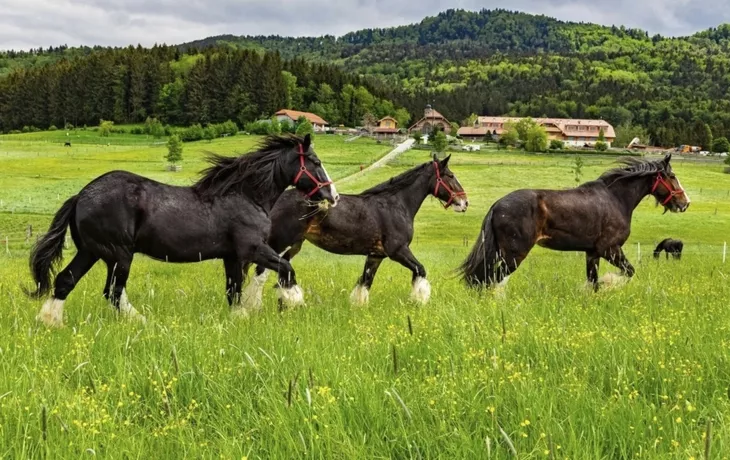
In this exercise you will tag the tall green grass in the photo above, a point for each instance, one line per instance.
(551, 370)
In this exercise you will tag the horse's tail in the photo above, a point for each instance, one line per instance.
(478, 269)
(48, 251)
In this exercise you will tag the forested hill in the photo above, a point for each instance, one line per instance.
(499, 62)
(495, 62)
(218, 84)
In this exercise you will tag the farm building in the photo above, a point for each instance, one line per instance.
(387, 128)
(431, 118)
(473, 132)
(291, 116)
(573, 132)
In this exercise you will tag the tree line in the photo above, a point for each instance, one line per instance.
(131, 84)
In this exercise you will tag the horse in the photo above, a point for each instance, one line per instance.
(377, 223)
(224, 215)
(594, 218)
(670, 246)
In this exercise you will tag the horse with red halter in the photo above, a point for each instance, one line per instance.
(377, 223)
(594, 218)
(225, 215)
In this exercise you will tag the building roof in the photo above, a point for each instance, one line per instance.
(433, 113)
(295, 114)
(469, 131)
(558, 125)
(388, 118)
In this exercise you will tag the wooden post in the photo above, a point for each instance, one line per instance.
(724, 251)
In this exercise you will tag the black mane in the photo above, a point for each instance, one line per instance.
(633, 167)
(397, 183)
(253, 173)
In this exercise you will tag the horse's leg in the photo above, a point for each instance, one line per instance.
(421, 291)
(290, 294)
(120, 274)
(51, 313)
(592, 261)
(253, 295)
(616, 257)
(360, 295)
(234, 280)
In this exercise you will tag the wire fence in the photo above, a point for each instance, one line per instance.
(21, 242)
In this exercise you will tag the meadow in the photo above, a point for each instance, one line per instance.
(550, 370)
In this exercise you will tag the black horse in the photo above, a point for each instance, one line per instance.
(670, 246)
(225, 215)
(377, 223)
(595, 217)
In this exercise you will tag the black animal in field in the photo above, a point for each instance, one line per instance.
(67, 144)
(669, 246)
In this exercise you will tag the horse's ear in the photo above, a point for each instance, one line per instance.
(667, 158)
(445, 161)
(307, 142)
(435, 157)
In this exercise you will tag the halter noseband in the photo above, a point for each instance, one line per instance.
(441, 183)
(303, 170)
(668, 185)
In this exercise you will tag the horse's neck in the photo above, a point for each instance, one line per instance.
(633, 191)
(414, 194)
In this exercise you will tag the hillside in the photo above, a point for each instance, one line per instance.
(499, 62)
(495, 62)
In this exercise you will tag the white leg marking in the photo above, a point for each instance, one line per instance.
(421, 290)
(360, 295)
(612, 280)
(252, 297)
(51, 313)
(127, 310)
(291, 297)
(500, 290)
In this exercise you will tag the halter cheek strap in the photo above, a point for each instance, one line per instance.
(441, 183)
(668, 185)
(304, 171)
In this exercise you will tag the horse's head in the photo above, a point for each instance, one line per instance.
(667, 190)
(446, 186)
(308, 174)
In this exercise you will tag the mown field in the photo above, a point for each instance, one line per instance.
(551, 370)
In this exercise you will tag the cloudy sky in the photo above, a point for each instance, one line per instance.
(33, 23)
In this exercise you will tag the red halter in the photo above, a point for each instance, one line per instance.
(303, 170)
(440, 183)
(668, 185)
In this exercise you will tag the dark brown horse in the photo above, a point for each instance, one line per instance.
(225, 215)
(594, 218)
(670, 246)
(377, 223)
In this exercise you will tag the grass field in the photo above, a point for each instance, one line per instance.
(550, 371)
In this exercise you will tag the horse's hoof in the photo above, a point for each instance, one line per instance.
(421, 292)
(291, 297)
(360, 296)
(51, 313)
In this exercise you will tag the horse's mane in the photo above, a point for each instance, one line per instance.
(253, 173)
(397, 183)
(633, 167)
